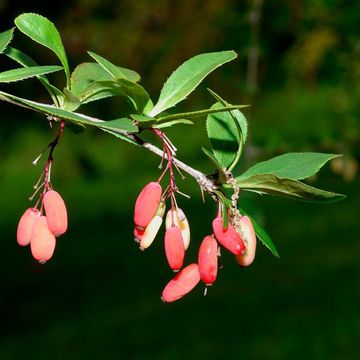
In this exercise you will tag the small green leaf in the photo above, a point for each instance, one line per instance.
(44, 32)
(187, 77)
(142, 118)
(223, 136)
(71, 102)
(237, 115)
(77, 118)
(26, 73)
(199, 113)
(5, 39)
(224, 215)
(271, 184)
(114, 71)
(262, 234)
(26, 61)
(215, 162)
(171, 123)
(295, 166)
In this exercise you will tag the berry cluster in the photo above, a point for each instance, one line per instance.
(40, 225)
(237, 236)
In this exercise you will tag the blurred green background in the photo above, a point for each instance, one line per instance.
(99, 297)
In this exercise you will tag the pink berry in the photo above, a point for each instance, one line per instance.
(138, 234)
(147, 204)
(228, 237)
(249, 236)
(42, 241)
(56, 213)
(174, 247)
(181, 284)
(208, 260)
(25, 226)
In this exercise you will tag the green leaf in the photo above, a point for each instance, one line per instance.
(199, 113)
(223, 136)
(187, 77)
(241, 127)
(71, 101)
(26, 73)
(295, 166)
(171, 123)
(86, 74)
(5, 39)
(215, 162)
(237, 115)
(26, 61)
(262, 234)
(121, 127)
(271, 184)
(113, 70)
(44, 32)
(142, 118)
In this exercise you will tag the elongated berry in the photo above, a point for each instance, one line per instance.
(25, 226)
(180, 220)
(174, 248)
(42, 242)
(228, 237)
(151, 232)
(56, 213)
(208, 260)
(181, 284)
(147, 204)
(249, 237)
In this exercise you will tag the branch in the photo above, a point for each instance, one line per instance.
(204, 182)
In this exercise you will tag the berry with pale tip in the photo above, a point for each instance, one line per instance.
(25, 226)
(181, 221)
(249, 237)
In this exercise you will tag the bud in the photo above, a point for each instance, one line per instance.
(208, 260)
(147, 203)
(56, 213)
(42, 241)
(181, 284)
(228, 237)
(249, 236)
(25, 226)
(180, 221)
(174, 248)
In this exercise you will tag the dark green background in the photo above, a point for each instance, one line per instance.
(99, 297)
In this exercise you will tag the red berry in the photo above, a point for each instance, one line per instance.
(25, 226)
(181, 284)
(56, 213)
(174, 247)
(138, 234)
(179, 219)
(248, 234)
(228, 237)
(42, 241)
(147, 204)
(208, 260)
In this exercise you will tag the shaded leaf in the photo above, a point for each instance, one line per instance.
(215, 162)
(271, 184)
(223, 136)
(187, 77)
(71, 102)
(295, 166)
(171, 123)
